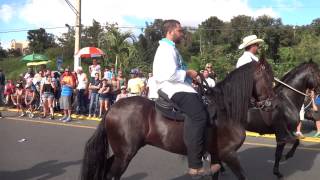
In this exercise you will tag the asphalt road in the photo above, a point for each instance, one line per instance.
(54, 151)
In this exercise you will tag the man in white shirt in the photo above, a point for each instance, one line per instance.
(209, 80)
(251, 45)
(94, 68)
(152, 87)
(171, 76)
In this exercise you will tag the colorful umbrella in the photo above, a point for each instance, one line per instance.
(90, 52)
(34, 58)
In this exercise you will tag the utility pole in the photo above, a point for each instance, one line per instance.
(77, 59)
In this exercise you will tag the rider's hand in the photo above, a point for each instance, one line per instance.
(312, 94)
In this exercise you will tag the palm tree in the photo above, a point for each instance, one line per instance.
(117, 43)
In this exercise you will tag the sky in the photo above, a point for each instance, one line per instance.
(23, 15)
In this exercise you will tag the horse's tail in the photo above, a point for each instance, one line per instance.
(96, 162)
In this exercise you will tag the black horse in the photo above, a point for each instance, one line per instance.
(134, 122)
(285, 117)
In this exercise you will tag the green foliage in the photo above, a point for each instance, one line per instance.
(214, 41)
(12, 67)
(3, 53)
(91, 35)
(40, 40)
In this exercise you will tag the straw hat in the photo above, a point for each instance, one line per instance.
(249, 40)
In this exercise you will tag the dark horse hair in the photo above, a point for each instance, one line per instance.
(230, 100)
(133, 122)
(96, 149)
(296, 70)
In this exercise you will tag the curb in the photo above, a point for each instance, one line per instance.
(74, 116)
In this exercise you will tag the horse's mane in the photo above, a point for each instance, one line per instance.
(232, 94)
(296, 70)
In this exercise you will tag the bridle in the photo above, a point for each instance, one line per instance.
(261, 104)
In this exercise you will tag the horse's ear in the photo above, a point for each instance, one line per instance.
(310, 60)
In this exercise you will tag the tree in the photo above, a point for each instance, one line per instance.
(268, 28)
(211, 30)
(117, 44)
(14, 52)
(240, 26)
(315, 25)
(91, 35)
(40, 40)
(66, 41)
(3, 52)
(149, 41)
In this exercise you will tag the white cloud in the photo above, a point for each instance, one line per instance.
(288, 5)
(6, 12)
(57, 13)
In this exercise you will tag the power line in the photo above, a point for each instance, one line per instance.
(72, 7)
(25, 29)
(217, 28)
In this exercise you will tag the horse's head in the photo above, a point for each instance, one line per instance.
(263, 86)
(312, 78)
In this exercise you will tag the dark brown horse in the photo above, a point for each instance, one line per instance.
(133, 122)
(285, 116)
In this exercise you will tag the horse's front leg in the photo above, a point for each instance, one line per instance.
(293, 149)
(278, 156)
(233, 163)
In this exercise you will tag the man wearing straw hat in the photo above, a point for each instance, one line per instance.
(251, 45)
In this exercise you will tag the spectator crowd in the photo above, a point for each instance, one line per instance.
(69, 91)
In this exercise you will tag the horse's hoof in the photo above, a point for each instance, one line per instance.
(278, 174)
(288, 156)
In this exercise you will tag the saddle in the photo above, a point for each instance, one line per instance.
(168, 108)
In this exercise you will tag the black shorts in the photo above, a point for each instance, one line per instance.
(313, 115)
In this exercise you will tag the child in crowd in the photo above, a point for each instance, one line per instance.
(123, 93)
(30, 100)
(18, 98)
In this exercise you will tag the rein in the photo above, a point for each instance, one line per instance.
(290, 87)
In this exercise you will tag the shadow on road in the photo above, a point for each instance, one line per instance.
(42, 171)
(138, 176)
(258, 163)
(261, 160)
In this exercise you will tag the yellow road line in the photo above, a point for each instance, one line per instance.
(52, 123)
(273, 146)
(251, 134)
(91, 127)
(272, 136)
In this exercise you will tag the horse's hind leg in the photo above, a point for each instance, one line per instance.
(234, 164)
(293, 149)
(120, 164)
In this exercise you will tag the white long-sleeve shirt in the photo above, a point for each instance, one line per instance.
(168, 71)
(247, 57)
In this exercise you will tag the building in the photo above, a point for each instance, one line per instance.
(22, 46)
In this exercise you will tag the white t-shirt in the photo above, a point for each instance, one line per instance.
(169, 77)
(247, 57)
(94, 70)
(210, 82)
(152, 85)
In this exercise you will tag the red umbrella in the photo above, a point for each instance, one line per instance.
(90, 52)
